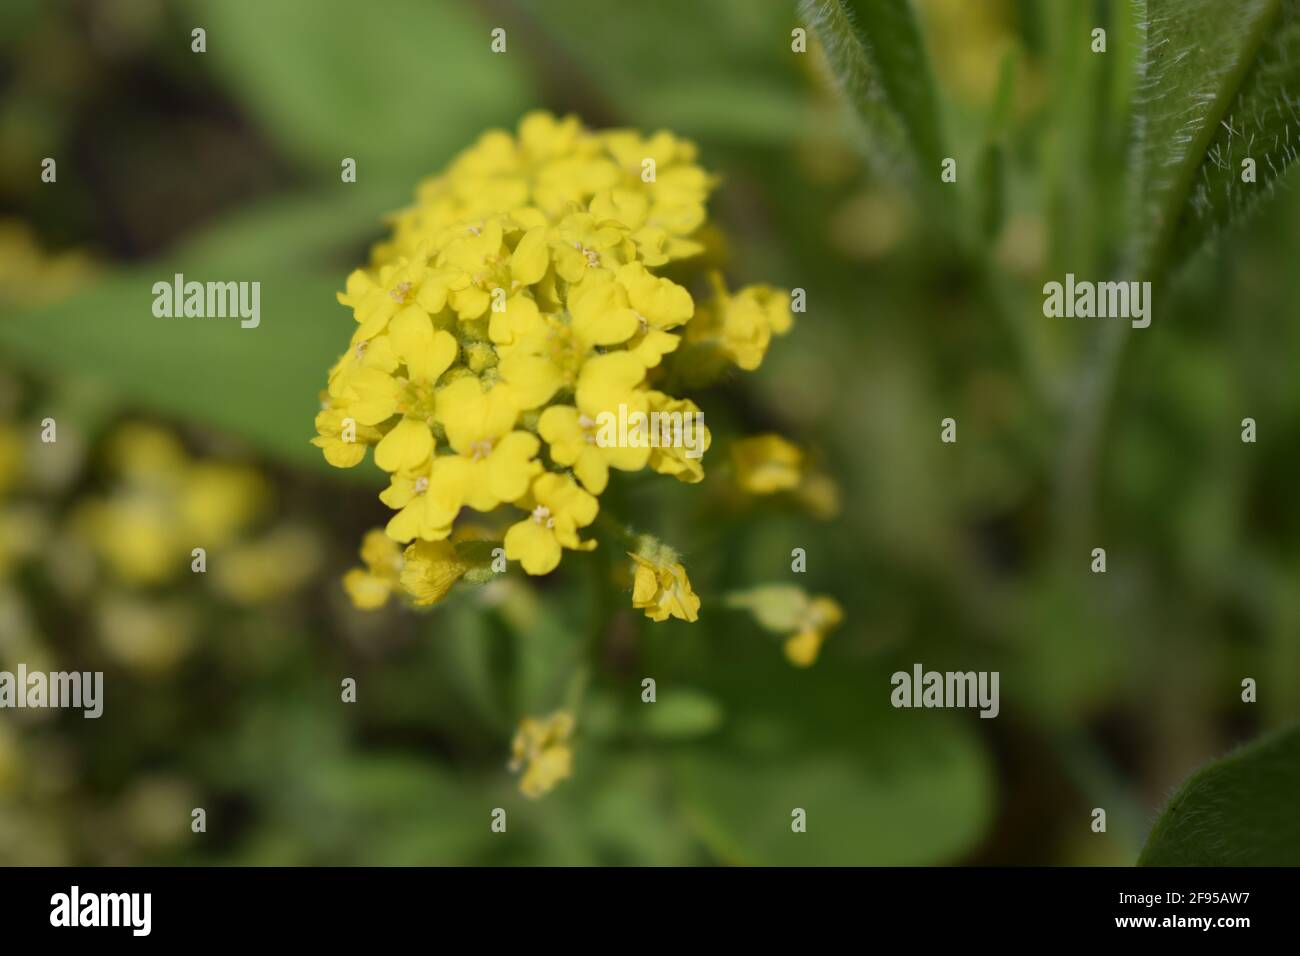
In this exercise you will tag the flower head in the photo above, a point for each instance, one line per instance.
(517, 304)
(371, 586)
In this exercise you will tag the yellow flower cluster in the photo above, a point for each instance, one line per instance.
(517, 305)
(164, 504)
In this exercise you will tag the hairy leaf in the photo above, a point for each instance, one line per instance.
(1195, 58)
(878, 59)
(1262, 125)
(1238, 811)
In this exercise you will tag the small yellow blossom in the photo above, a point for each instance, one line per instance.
(371, 586)
(148, 635)
(683, 463)
(343, 442)
(30, 276)
(820, 617)
(270, 567)
(557, 508)
(766, 464)
(662, 590)
(741, 324)
(541, 749)
(606, 383)
(789, 610)
(429, 570)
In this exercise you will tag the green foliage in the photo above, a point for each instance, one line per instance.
(879, 787)
(878, 59)
(260, 384)
(1263, 124)
(1238, 811)
(397, 89)
(1208, 70)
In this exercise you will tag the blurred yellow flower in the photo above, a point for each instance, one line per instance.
(789, 610)
(371, 586)
(741, 324)
(269, 567)
(29, 276)
(145, 634)
(164, 504)
(766, 464)
(541, 749)
(819, 618)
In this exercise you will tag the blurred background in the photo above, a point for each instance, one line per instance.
(223, 689)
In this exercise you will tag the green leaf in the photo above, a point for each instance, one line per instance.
(1203, 61)
(398, 89)
(680, 713)
(1263, 124)
(1238, 811)
(879, 786)
(878, 58)
(634, 63)
(261, 384)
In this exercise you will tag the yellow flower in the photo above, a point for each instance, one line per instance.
(427, 354)
(784, 609)
(136, 538)
(676, 459)
(517, 300)
(741, 325)
(429, 571)
(218, 501)
(662, 590)
(492, 463)
(145, 634)
(377, 299)
(422, 510)
(343, 442)
(658, 305)
(541, 749)
(29, 275)
(766, 464)
(557, 509)
(820, 617)
(543, 354)
(269, 568)
(164, 505)
(371, 586)
(573, 432)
